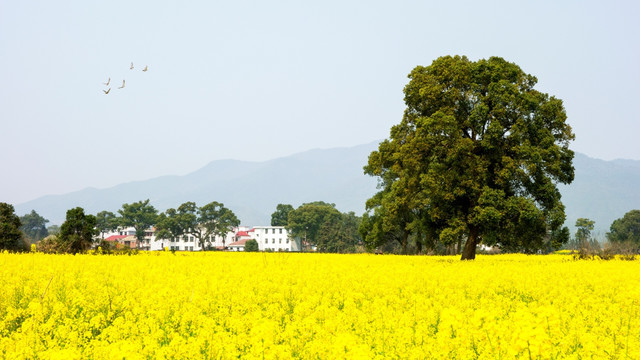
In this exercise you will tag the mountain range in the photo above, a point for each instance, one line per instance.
(602, 190)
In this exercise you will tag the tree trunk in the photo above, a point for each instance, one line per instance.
(405, 239)
(469, 252)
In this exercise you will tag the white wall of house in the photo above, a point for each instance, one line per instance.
(274, 238)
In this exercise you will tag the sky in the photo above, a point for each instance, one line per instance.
(257, 80)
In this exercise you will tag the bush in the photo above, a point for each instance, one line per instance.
(251, 245)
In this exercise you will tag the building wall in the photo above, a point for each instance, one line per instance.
(274, 238)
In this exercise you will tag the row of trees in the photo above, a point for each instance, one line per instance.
(317, 223)
(79, 230)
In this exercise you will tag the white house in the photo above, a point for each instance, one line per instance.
(185, 242)
(274, 238)
(269, 238)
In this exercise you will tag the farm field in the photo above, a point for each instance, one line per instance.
(285, 305)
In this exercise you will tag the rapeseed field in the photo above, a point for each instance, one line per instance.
(317, 306)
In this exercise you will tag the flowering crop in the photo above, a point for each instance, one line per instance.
(284, 305)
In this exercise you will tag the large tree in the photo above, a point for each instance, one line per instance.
(34, 226)
(478, 155)
(626, 228)
(10, 234)
(77, 232)
(141, 215)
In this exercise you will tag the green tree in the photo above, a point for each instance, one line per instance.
(281, 216)
(584, 228)
(251, 245)
(208, 221)
(106, 221)
(34, 226)
(626, 229)
(306, 221)
(77, 232)
(10, 234)
(173, 223)
(140, 215)
(477, 155)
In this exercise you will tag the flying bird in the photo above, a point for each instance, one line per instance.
(107, 91)
(122, 85)
(108, 81)
(145, 68)
(131, 67)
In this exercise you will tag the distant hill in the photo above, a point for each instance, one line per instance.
(602, 191)
(251, 189)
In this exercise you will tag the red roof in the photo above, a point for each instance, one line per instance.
(242, 233)
(239, 242)
(116, 237)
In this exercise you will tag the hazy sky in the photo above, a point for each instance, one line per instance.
(252, 80)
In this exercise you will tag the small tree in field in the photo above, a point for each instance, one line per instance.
(77, 232)
(251, 245)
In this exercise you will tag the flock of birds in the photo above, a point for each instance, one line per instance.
(106, 92)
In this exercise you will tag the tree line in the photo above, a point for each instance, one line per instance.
(318, 224)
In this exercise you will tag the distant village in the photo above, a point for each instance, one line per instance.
(269, 238)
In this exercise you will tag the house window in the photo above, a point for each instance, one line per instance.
(191, 248)
(273, 231)
(273, 241)
(287, 240)
(279, 241)
(266, 241)
(280, 231)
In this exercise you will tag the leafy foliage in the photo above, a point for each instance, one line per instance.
(478, 154)
(106, 221)
(77, 232)
(141, 215)
(626, 228)
(10, 234)
(251, 246)
(585, 227)
(281, 216)
(205, 222)
(322, 225)
(34, 226)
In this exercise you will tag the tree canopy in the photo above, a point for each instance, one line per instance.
(584, 228)
(10, 234)
(34, 226)
(281, 216)
(626, 228)
(477, 155)
(77, 232)
(106, 221)
(141, 215)
(322, 225)
(205, 222)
